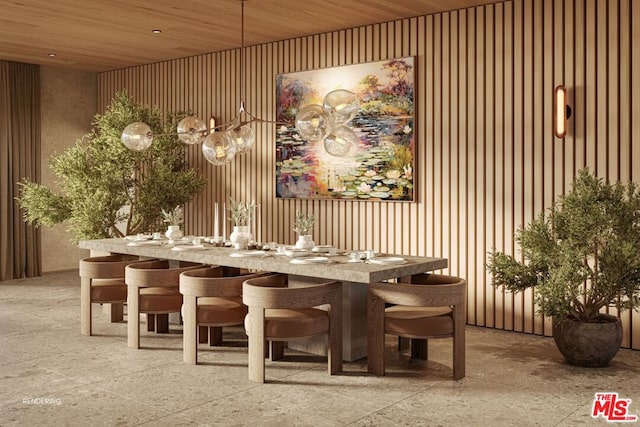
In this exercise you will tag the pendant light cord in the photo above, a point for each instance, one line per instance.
(242, 55)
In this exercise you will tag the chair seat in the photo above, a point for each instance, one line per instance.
(283, 323)
(414, 321)
(108, 290)
(160, 300)
(219, 311)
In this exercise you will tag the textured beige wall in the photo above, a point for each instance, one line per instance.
(69, 100)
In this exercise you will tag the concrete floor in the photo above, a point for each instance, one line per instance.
(51, 375)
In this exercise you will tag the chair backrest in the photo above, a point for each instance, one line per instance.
(157, 273)
(271, 292)
(106, 267)
(215, 281)
(425, 290)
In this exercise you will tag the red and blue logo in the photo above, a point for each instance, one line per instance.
(612, 408)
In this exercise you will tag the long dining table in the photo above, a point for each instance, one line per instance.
(355, 276)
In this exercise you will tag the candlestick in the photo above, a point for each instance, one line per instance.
(259, 223)
(224, 221)
(216, 225)
(249, 220)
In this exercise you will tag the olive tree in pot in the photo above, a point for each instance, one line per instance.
(581, 257)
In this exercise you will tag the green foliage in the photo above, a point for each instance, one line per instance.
(583, 255)
(240, 212)
(303, 223)
(104, 184)
(172, 217)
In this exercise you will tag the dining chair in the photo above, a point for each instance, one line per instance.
(212, 299)
(153, 288)
(424, 306)
(102, 281)
(278, 313)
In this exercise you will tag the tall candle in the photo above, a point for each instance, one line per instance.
(216, 225)
(224, 221)
(259, 223)
(252, 229)
(249, 220)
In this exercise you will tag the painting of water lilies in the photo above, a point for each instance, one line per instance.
(351, 133)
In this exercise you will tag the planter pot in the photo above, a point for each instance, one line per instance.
(305, 242)
(240, 236)
(588, 344)
(173, 232)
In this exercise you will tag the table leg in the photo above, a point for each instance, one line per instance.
(354, 321)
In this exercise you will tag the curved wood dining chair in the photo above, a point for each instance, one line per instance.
(429, 306)
(153, 287)
(278, 313)
(102, 281)
(212, 299)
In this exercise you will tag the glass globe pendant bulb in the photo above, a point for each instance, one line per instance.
(340, 141)
(312, 122)
(342, 106)
(191, 130)
(219, 148)
(243, 136)
(137, 136)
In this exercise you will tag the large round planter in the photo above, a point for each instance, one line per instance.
(590, 344)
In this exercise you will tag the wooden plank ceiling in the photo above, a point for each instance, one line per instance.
(101, 35)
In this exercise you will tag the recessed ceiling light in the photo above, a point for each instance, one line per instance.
(156, 31)
(51, 54)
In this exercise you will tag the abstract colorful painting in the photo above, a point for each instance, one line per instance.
(380, 165)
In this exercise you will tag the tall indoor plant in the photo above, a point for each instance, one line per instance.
(109, 190)
(581, 256)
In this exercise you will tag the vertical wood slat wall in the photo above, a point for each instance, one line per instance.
(487, 160)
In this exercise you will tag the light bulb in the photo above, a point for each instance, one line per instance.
(312, 122)
(342, 106)
(340, 141)
(243, 136)
(219, 148)
(191, 130)
(137, 136)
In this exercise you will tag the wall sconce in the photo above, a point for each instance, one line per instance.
(561, 112)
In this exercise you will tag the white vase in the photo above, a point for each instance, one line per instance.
(305, 242)
(173, 232)
(240, 236)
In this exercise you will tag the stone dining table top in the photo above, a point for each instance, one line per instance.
(338, 267)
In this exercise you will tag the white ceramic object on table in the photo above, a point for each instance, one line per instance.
(188, 248)
(145, 243)
(244, 254)
(240, 236)
(305, 242)
(294, 252)
(310, 260)
(173, 232)
(388, 260)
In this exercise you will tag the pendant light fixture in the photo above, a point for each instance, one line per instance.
(328, 122)
(220, 143)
